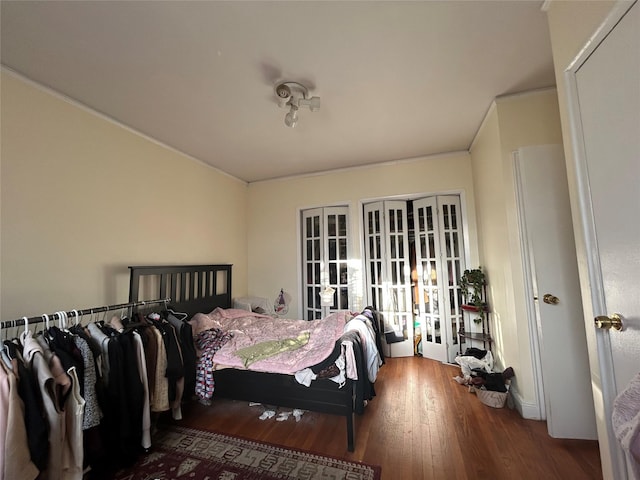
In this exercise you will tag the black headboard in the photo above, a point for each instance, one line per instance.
(191, 288)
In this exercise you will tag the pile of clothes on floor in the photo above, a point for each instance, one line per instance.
(476, 367)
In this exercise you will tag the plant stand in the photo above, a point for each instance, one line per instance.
(481, 334)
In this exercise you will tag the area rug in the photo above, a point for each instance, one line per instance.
(185, 453)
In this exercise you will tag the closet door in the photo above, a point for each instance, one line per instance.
(325, 258)
(388, 272)
(312, 252)
(439, 264)
(336, 258)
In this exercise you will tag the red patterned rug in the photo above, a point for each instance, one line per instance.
(184, 453)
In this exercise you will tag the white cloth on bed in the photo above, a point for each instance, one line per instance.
(363, 326)
(305, 377)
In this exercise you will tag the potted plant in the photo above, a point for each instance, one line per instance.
(471, 285)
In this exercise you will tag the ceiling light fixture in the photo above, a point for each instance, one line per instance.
(295, 95)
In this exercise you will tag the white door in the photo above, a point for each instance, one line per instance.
(439, 262)
(551, 269)
(325, 259)
(604, 91)
(388, 272)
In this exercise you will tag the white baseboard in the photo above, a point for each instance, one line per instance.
(528, 410)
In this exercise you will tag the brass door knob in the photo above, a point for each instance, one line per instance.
(613, 321)
(550, 299)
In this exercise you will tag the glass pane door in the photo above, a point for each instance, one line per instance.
(312, 253)
(325, 255)
(440, 261)
(433, 330)
(388, 272)
(336, 261)
(453, 265)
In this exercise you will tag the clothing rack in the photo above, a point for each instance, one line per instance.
(79, 313)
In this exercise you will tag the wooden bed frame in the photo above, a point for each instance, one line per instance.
(202, 288)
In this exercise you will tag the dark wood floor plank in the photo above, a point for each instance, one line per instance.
(420, 425)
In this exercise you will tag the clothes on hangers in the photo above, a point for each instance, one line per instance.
(62, 406)
(16, 461)
(34, 416)
(87, 394)
(175, 363)
(189, 356)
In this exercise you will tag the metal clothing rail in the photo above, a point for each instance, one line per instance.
(79, 313)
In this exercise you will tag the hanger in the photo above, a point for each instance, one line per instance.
(178, 315)
(4, 352)
(65, 322)
(5, 347)
(26, 332)
(60, 320)
(2, 340)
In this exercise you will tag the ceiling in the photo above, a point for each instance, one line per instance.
(397, 80)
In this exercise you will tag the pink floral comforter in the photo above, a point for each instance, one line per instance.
(252, 328)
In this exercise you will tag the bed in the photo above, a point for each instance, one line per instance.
(198, 289)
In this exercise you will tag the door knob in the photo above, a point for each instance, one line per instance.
(550, 299)
(614, 321)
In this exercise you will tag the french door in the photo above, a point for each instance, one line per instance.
(325, 258)
(388, 272)
(439, 264)
(415, 255)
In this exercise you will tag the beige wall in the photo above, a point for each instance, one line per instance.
(571, 25)
(83, 198)
(512, 122)
(274, 210)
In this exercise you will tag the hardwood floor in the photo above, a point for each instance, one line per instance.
(421, 425)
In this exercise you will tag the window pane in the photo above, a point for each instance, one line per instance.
(332, 249)
(309, 272)
(344, 298)
(331, 225)
(343, 249)
(316, 226)
(342, 225)
(333, 274)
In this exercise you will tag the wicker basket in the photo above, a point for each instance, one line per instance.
(491, 398)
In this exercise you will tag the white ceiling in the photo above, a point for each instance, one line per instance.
(397, 79)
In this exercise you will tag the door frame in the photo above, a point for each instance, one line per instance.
(537, 411)
(469, 251)
(598, 342)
